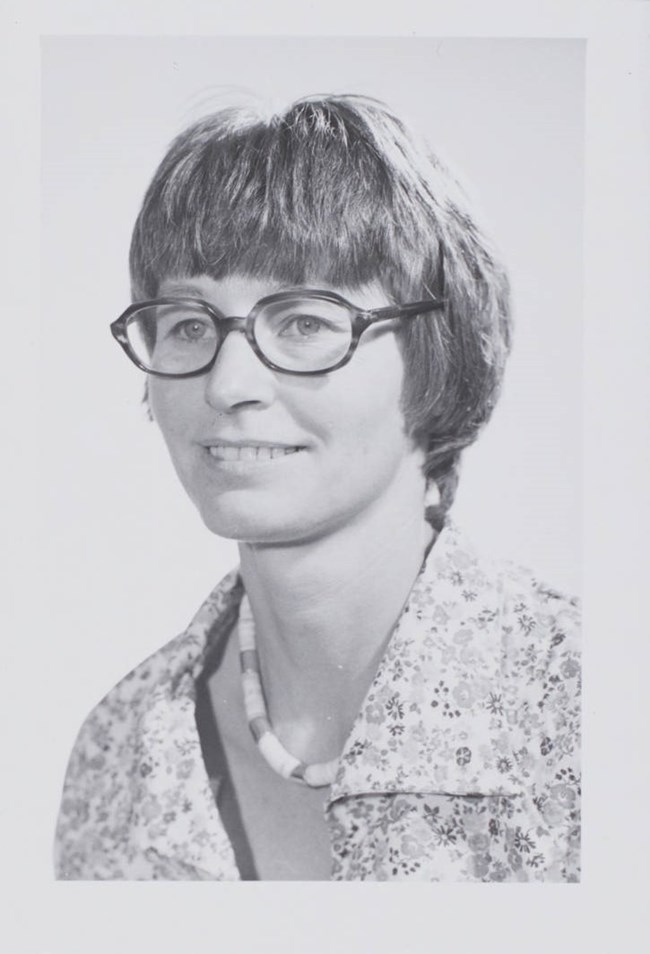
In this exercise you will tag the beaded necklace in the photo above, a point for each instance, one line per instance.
(288, 766)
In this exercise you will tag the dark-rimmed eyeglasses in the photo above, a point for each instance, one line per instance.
(296, 332)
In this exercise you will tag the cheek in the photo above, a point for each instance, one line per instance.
(172, 408)
(363, 407)
(376, 384)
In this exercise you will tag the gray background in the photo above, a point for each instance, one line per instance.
(128, 550)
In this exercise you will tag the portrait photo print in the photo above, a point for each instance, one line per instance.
(338, 281)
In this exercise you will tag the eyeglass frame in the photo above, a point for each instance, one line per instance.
(360, 319)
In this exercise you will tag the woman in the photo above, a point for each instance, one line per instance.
(324, 328)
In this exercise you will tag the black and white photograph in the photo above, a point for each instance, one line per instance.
(316, 325)
(325, 477)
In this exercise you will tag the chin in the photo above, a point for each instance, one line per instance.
(275, 522)
(250, 524)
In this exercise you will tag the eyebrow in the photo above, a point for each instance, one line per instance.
(180, 289)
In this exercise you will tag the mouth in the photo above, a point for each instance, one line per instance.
(250, 452)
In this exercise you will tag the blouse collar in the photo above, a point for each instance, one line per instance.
(432, 720)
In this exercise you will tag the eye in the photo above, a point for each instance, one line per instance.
(190, 329)
(185, 328)
(304, 325)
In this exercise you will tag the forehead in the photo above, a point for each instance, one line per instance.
(236, 294)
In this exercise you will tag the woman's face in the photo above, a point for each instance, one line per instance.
(233, 432)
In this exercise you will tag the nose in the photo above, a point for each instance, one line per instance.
(238, 377)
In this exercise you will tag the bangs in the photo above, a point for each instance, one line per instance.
(308, 196)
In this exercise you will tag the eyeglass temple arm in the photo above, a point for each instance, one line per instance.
(435, 303)
(403, 311)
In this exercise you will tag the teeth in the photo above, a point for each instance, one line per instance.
(252, 452)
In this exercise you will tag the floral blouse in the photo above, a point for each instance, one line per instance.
(462, 764)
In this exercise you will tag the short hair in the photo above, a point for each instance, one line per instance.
(336, 189)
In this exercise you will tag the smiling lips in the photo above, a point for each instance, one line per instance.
(249, 452)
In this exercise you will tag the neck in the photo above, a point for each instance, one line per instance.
(324, 611)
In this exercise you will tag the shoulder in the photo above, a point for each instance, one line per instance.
(539, 634)
(526, 632)
(526, 607)
(112, 719)
(102, 772)
(541, 629)
(103, 769)
(524, 590)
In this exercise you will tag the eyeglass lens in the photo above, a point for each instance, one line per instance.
(301, 334)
